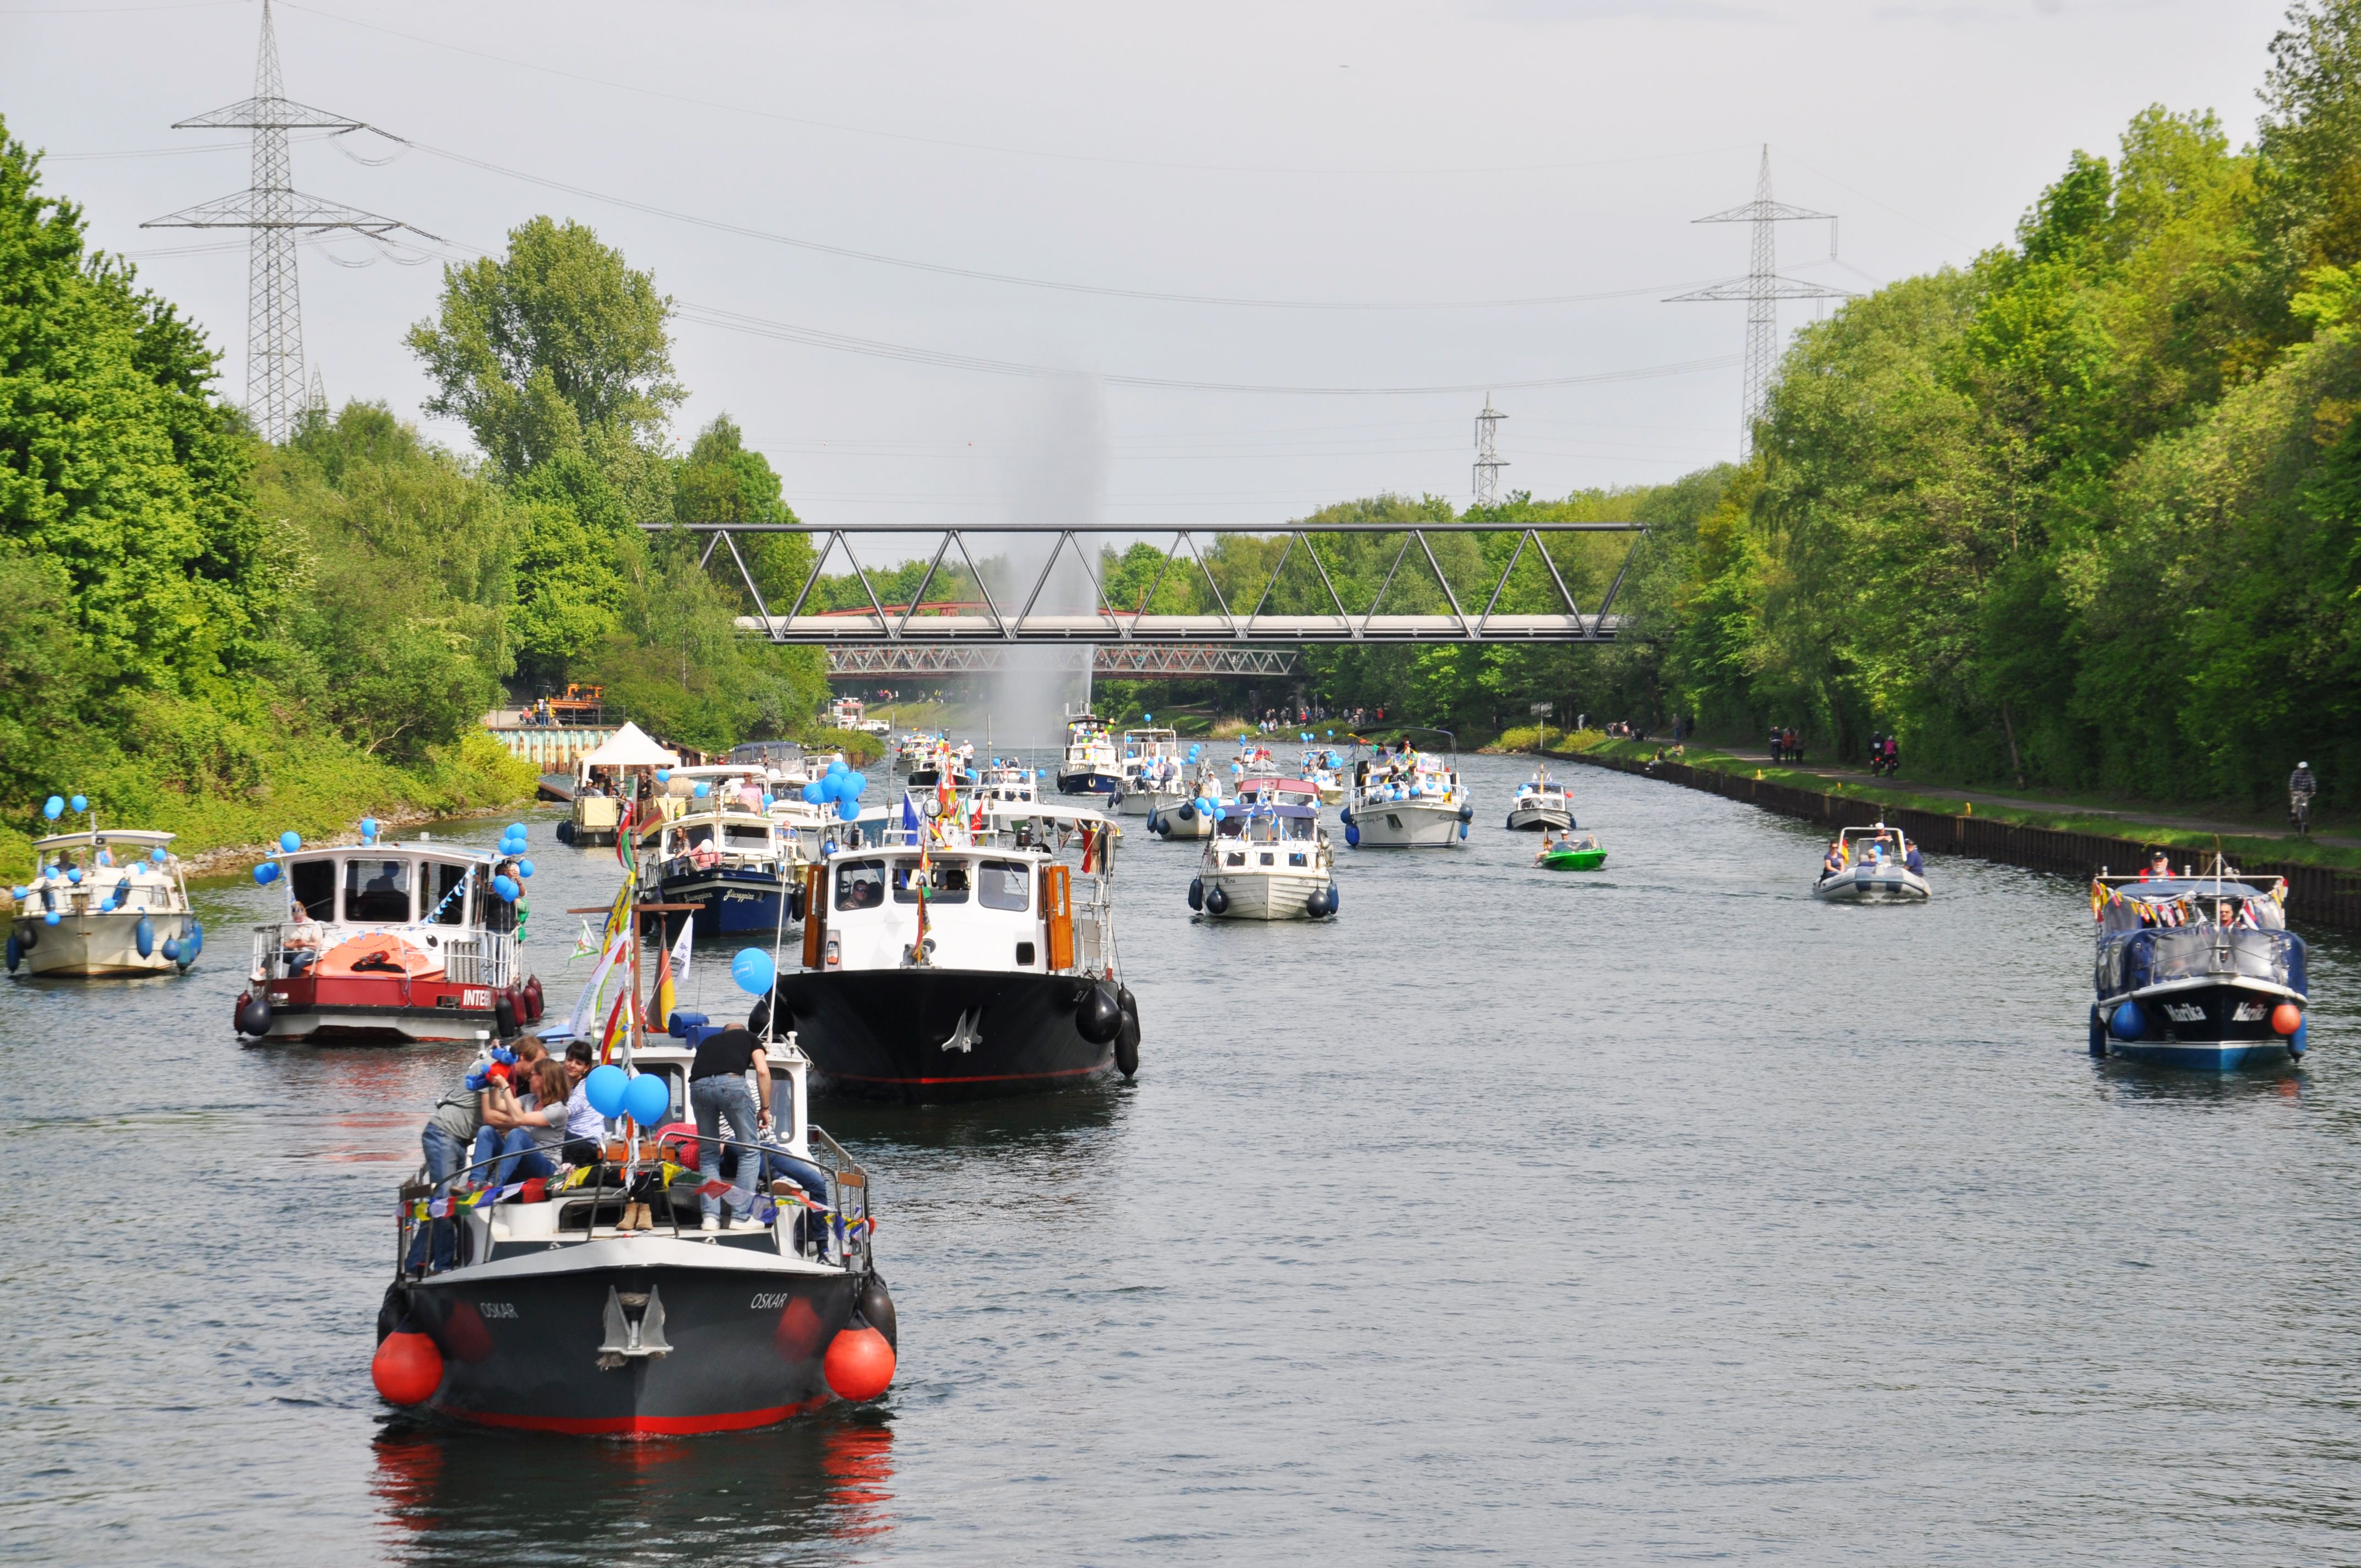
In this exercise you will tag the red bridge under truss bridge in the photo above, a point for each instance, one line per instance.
(1119, 661)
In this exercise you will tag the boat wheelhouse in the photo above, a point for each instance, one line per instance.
(730, 852)
(104, 902)
(599, 1305)
(1408, 799)
(1323, 767)
(388, 942)
(605, 783)
(967, 954)
(1008, 782)
(2197, 971)
(1088, 765)
(1875, 868)
(1267, 861)
(1542, 803)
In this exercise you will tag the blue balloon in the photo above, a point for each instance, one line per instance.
(647, 1099)
(53, 807)
(266, 873)
(80, 803)
(290, 841)
(754, 970)
(75, 875)
(855, 784)
(506, 888)
(703, 789)
(20, 891)
(813, 794)
(766, 800)
(515, 830)
(837, 765)
(831, 786)
(664, 775)
(368, 829)
(605, 1088)
(524, 867)
(158, 856)
(51, 918)
(847, 808)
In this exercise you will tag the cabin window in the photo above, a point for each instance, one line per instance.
(1004, 885)
(946, 881)
(746, 836)
(448, 906)
(312, 885)
(376, 892)
(860, 885)
(697, 838)
(783, 1106)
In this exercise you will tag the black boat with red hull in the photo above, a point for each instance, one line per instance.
(603, 1302)
(634, 1335)
(938, 1033)
(967, 949)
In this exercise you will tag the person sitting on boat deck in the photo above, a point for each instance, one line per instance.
(716, 1089)
(1915, 861)
(586, 1130)
(1548, 847)
(449, 1133)
(1833, 863)
(2159, 866)
(537, 1130)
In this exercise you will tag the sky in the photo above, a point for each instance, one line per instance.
(1348, 199)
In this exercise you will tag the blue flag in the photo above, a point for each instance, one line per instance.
(909, 814)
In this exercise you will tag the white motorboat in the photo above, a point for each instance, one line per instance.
(1408, 799)
(1150, 765)
(1875, 865)
(1267, 862)
(105, 901)
(1192, 816)
(1008, 782)
(1324, 768)
(1542, 802)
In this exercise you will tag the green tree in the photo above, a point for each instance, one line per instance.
(556, 346)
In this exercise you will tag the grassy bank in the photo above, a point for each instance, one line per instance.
(316, 786)
(2126, 823)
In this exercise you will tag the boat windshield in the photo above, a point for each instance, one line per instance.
(1004, 885)
(442, 881)
(860, 885)
(945, 882)
(376, 892)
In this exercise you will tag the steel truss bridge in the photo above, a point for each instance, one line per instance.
(1018, 621)
(1109, 660)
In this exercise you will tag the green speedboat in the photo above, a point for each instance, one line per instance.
(1585, 854)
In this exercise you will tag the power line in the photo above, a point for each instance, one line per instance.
(1046, 154)
(274, 214)
(946, 269)
(786, 332)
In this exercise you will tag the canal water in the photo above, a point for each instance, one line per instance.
(1652, 1214)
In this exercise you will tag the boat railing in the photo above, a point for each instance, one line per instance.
(469, 957)
(840, 1231)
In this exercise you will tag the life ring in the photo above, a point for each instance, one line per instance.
(382, 953)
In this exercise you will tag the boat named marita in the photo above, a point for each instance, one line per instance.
(104, 902)
(1089, 764)
(388, 942)
(2197, 970)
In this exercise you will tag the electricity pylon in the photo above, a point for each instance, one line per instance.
(275, 213)
(1489, 461)
(1763, 288)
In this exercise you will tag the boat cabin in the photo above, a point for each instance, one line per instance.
(129, 869)
(1281, 835)
(396, 908)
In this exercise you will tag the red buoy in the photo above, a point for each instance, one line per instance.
(2286, 1018)
(407, 1368)
(859, 1364)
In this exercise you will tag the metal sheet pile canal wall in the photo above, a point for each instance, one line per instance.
(2321, 894)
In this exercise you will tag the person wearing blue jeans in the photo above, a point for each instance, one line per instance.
(446, 1138)
(529, 1146)
(717, 1091)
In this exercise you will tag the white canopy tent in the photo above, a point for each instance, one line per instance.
(631, 748)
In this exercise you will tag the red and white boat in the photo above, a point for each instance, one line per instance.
(388, 942)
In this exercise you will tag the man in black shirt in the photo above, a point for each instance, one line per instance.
(717, 1089)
